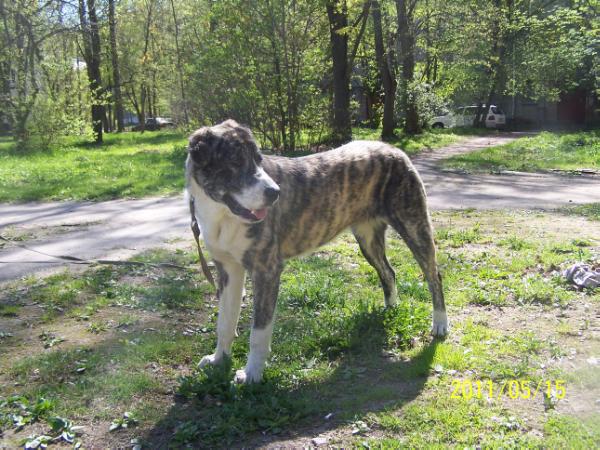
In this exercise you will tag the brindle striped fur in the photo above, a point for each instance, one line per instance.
(363, 185)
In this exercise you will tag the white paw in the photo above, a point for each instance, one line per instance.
(440, 324)
(245, 376)
(209, 359)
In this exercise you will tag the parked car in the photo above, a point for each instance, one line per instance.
(465, 115)
(155, 123)
(444, 119)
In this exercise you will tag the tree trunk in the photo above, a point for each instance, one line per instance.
(497, 63)
(91, 54)
(117, 96)
(180, 67)
(338, 22)
(142, 114)
(283, 118)
(407, 45)
(144, 91)
(387, 78)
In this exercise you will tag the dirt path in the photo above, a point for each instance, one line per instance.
(509, 190)
(122, 228)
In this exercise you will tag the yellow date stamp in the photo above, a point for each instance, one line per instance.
(467, 389)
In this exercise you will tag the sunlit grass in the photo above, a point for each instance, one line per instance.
(546, 151)
(128, 165)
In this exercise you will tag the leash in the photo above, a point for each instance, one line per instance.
(82, 261)
(76, 260)
(196, 231)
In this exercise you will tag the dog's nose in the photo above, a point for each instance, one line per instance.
(271, 194)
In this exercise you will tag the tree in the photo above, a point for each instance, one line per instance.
(116, 73)
(90, 35)
(342, 64)
(179, 64)
(284, 67)
(406, 39)
(386, 72)
(24, 27)
(338, 23)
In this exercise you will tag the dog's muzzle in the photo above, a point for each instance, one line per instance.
(252, 215)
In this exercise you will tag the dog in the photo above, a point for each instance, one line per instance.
(255, 211)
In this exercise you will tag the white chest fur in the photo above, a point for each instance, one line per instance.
(224, 233)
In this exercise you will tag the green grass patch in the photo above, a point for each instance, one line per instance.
(126, 165)
(133, 336)
(428, 140)
(7, 310)
(590, 211)
(81, 296)
(546, 151)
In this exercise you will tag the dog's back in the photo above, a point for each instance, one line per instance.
(325, 193)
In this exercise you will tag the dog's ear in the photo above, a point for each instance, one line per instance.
(199, 145)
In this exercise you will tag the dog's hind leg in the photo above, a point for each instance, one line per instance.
(231, 285)
(371, 240)
(411, 220)
(265, 282)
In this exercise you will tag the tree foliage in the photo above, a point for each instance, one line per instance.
(288, 68)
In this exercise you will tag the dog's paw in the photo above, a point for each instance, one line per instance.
(440, 326)
(243, 376)
(209, 360)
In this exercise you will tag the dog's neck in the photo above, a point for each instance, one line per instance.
(223, 232)
(206, 209)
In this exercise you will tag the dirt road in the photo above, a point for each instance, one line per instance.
(119, 229)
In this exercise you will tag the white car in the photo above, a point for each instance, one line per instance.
(465, 115)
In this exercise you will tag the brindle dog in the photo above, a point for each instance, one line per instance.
(256, 211)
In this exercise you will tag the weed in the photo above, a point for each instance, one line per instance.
(97, 327)
(590, 211)
(9, 310)
(128, 420)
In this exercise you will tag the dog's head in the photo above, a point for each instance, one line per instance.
(225, 162)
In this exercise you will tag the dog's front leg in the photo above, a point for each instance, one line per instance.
(231, 285)
(266, 288)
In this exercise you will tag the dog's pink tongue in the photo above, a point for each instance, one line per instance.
(260, 214)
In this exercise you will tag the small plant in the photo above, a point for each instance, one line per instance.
(5, 334)
(126, 321)
(127, 421)
(515, 243)
(18, 411)
(9, 310)
(97, 327)
(459, 237)
(50, 339)
(186, 432)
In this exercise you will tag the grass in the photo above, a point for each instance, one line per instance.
(125, 340)
(127, 165)
(590, 211)
(428, 140)
(546, 151)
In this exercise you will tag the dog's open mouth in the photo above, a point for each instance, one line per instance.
(253, 215)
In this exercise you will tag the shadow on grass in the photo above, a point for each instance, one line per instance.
(211, 411)
(325, 360)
